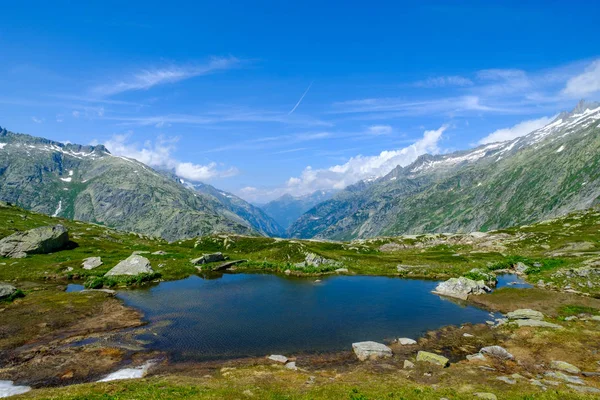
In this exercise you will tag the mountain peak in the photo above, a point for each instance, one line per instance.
(583, 105)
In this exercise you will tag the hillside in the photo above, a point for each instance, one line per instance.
(547, 173)
(88, 183)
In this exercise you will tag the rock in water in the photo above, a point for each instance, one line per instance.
(432, 358)
(525, 313)
(7, 290)
(498, 352)
(371, 350)
(45, 239)
(91, 263)
(133, 265)
(208, 258)
(461, 288)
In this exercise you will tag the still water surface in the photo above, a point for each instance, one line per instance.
(240, 315)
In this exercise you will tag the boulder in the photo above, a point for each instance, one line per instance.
(91, 263)
(461, 288)
(525, 313)
(278, 358)
(520, 268)
(408, 364)
(406, 341)
(133, 265)
(537, 324)
(209, 258)
(371, 350)
(432, 358)
(565, 367)
(45, 239)
(497, 352)
(6, 290)
(291, 365)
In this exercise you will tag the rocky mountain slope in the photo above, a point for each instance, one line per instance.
(549, 172)
(258, 218)
(88, 183)
(287, 208)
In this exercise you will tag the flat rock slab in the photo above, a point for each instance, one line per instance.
(565, 367)
(42, 240)
(432, 358)
(487, 396)
(226, 265)
(208, 258)
(537, 324)
(133, 265)
(278, 358)
(564, 377)
(525, 313)
(584, 389)
(406, 341)
(371, 350)
(91, 263)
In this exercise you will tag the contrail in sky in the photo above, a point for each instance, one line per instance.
(301, 98)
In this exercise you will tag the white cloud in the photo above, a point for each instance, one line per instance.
(76, 114)
(443, 81)
(37, 120)
(520, 129)
(379, 130)
(158, 155)
(586, 83)
(148, 78)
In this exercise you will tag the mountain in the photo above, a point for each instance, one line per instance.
(547, 173)
(287, 208)
(88, 183)
(258, 218)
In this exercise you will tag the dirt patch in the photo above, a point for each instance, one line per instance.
(56, 338)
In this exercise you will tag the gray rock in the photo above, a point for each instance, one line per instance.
(291, 365)
(6, 290)
(45, 239)
(371, 350)
(564, 377)
(461, 288)
(408, 364)
(91, 263)
(584, 389)
(506, 379)
(497, 352)
(476, 357)
(159, 253)
(525, 313)
(278, 358)
(133, 265)
(537, 324)
(565, 367)
(208, 258)
(341, 270)
(406, 341)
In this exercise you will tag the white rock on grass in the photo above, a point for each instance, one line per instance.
(128, 373)
(565, 367)
(371, 350)
(91, 263)
(133, 265)
(406, 341)
(7, 389)
(497, 352)
(537, 324)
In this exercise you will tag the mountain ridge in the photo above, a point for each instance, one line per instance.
(467, 190)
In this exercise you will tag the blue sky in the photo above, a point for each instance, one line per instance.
(265, 98)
